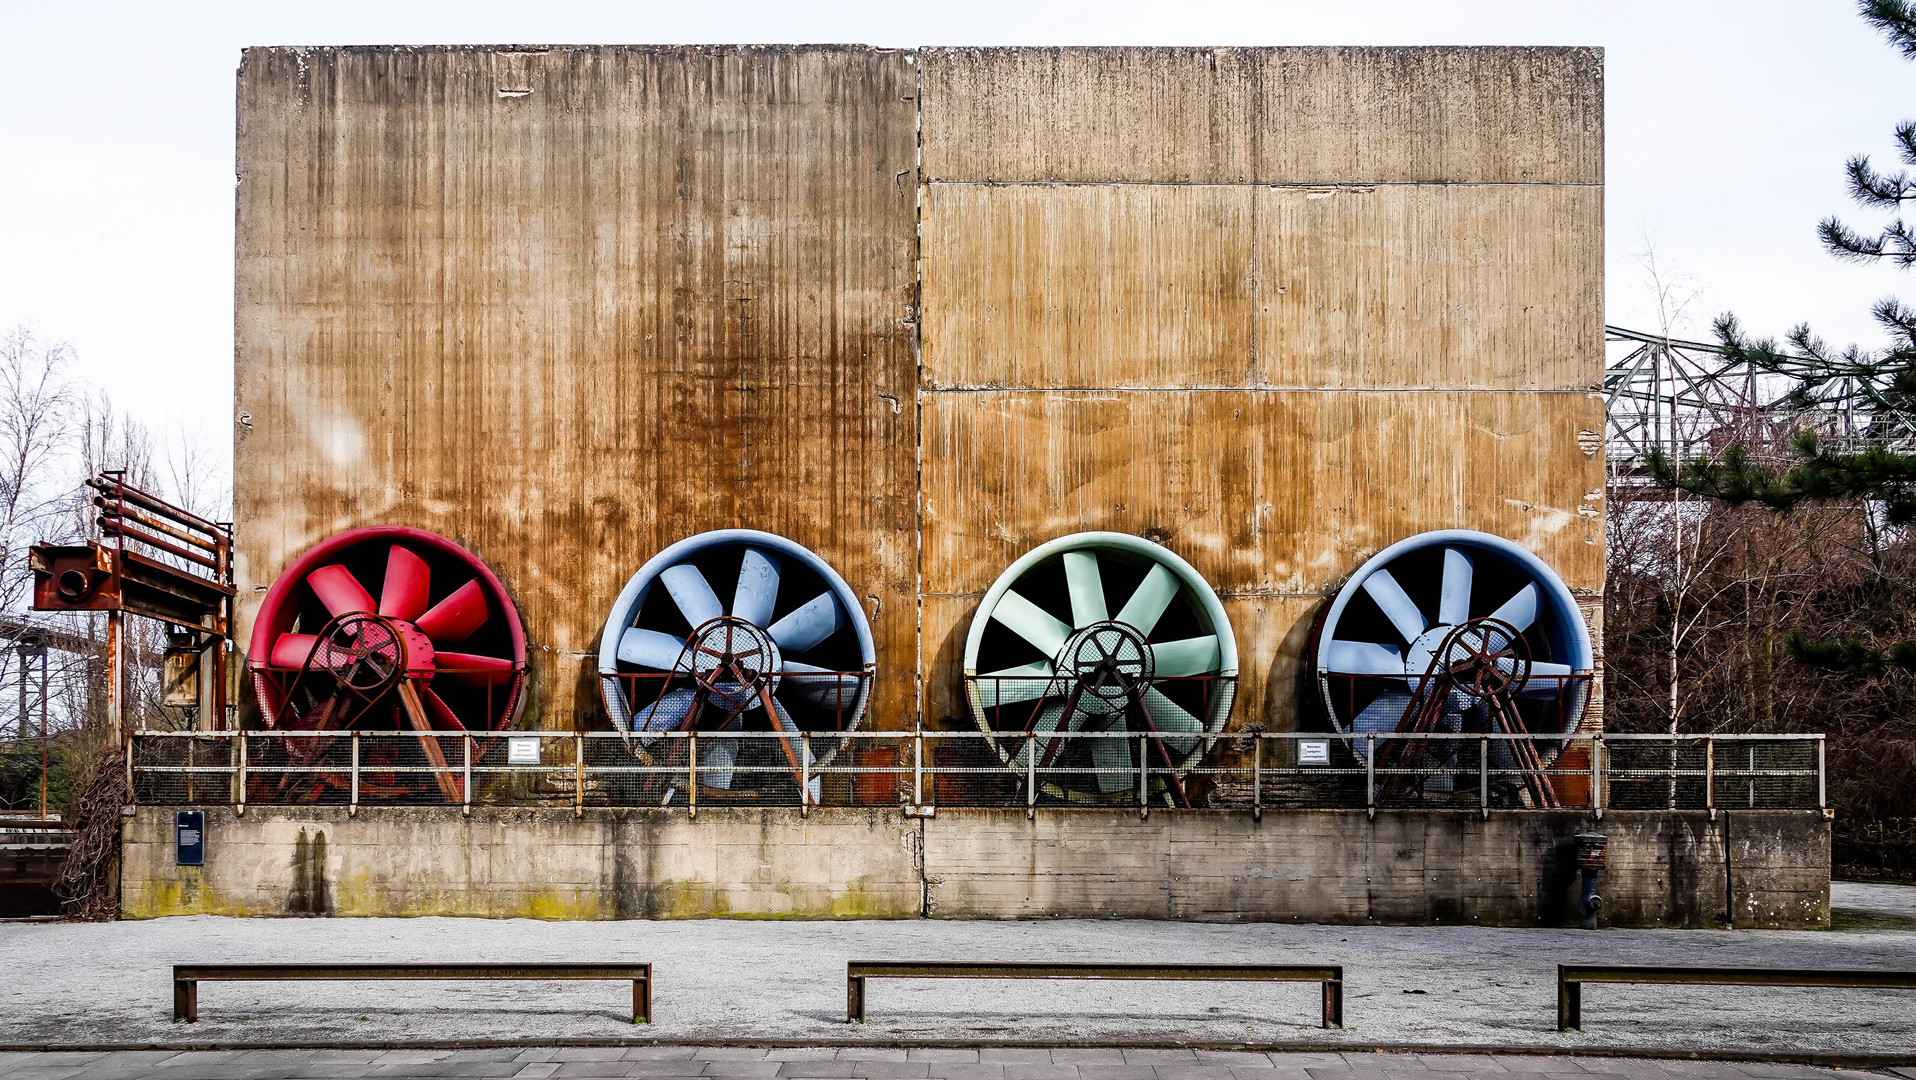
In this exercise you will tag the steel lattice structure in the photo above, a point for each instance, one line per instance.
(1689, 399)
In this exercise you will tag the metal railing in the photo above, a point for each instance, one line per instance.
(924, 769)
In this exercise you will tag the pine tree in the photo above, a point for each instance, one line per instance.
(1878, 387)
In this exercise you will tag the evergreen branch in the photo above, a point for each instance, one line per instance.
(1871, 188)
(1895, 243)
(1897, 21)
(1849, 655)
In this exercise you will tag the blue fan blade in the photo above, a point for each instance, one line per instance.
(757, 588)
(1453, 605)
(1086, 584)
(1397, 605)
(809, 625)
(649, 648)
(692, 593)
(1044, 631)
(1520, 610)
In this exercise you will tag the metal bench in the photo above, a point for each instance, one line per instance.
(1571, 977)
(188, 977)
(1332, 977)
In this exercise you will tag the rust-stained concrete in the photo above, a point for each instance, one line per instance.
(1276, 308)
(1509, 868)
(567, 306)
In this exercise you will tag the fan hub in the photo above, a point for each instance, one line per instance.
(1485, 657)
(1112, 664)
(734, 661)
(1421, 652)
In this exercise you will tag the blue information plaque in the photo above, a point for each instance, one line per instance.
(189, 829)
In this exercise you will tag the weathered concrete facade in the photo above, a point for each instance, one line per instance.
(920, 311)
(1762, 869)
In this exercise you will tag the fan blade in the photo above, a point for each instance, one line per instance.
(454, 619)
(1028, 682)
(291, 651)
(666, 713)
(1153, 595)
(823, 687)
(1191, 656)
(340, 591)
(1520, 610)
(1365, 658)
(757, 588)
(1397, 605)
(471, 667)
(1112, 758)
(1550, 685)
(1168, 715)
(1047, 721)
(718, 757)
(1383, 714)
(692, 593)
(408, 581)
(1031, 622)
(649, 648)
(1453, 604)
(440, 713)
(1086, 584)
(810, 624)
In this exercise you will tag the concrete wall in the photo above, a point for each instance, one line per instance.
(1404, 868)
(568, 305)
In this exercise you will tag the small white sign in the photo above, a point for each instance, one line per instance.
(1314, 752)
(522, 751)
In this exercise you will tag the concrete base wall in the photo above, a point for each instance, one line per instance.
(1754, 869)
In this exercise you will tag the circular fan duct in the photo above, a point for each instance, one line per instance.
(387, 628)
(734, 630)
(1100, 632)
(1455, 631)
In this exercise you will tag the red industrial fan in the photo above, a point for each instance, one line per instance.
(380, 629)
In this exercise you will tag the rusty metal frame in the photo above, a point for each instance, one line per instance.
(1331, 976)
(187, 978)
(1571, 977)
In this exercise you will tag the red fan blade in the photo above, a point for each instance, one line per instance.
(291, 651)
(471, 667)
(403, 596)
(441, 713)
(457, 616)
(340, 591)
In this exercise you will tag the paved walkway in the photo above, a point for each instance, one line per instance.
(875, 1064)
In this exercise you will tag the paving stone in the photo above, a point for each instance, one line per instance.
(1459, 1063)
(657, 1053)
(665, 1067)
(42, 1072)
(958, 1070)
(1174, 1071)
(1118, 1070)
(411, 1057)
(587, 1053)
(802, 1053)
(1014, 1071)
(338, 1057)
(871, 1053)
(1232, 1057)
(941, 1054)
(334, 1070)
(743, 1070)
(1271, 1072)
(1012, 1055)
(538, 1069)
(817, 1069)
(888, 1070)
(1160, 1057)
(729, 1053)
(1080, 1055)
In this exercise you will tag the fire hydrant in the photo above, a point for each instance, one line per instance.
(1592, 848)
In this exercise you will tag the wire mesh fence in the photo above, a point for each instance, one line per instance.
(1052, 769)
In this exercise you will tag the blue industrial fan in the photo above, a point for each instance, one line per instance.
(729, 630)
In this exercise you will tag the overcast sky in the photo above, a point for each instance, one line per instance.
(1728, 124)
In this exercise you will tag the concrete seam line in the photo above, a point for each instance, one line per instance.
(1793, 1057)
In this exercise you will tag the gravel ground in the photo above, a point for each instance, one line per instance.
(722, 981)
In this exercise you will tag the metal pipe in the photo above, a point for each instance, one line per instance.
(1370, 776)
(1257, 778)
(352, 807)
(1483, 777)
(1709, 777)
